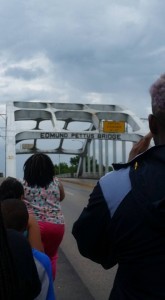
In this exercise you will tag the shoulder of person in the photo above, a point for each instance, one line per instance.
(137, 159)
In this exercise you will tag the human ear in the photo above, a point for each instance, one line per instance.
(153, 124)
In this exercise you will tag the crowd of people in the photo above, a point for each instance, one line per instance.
(123, 222)
(32, 228)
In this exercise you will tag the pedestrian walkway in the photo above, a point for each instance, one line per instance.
(68, 285)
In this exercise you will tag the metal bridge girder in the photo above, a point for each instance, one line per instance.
(25, 122)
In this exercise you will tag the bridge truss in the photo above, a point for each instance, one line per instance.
(53, 128)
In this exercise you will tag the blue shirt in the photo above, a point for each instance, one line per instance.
(44, 269)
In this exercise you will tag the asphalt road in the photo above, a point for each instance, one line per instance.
(68, 284)
(77, 277)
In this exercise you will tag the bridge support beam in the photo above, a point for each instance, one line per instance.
(10, 142)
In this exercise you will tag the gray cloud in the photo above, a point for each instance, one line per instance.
(25, 74)
(75, 50)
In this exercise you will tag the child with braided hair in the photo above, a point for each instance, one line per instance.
(43, 194)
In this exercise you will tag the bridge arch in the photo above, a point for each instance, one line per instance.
(57, 125)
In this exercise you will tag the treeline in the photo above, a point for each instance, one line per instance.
(63, 168)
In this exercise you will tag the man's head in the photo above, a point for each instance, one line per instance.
(157, 92)
(15, 214)
(157, 119)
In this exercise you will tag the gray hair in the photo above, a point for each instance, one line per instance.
(157, 92)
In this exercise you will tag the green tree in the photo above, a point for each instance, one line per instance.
(56, 169)
(62, 168)
(74, 161)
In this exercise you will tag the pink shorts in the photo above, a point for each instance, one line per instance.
(51, 235)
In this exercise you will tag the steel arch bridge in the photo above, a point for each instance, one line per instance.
(51, 127)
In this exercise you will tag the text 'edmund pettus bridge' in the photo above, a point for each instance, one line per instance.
(79, 135)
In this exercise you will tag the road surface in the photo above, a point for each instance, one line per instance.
(84, 275)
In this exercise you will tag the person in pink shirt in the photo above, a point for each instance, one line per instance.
(43, 193)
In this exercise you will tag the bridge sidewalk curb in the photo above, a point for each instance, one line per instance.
(83, 182)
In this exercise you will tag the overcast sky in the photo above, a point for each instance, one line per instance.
(84, 51)
(107, 51)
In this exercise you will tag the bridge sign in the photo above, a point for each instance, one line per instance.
(114, 126)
